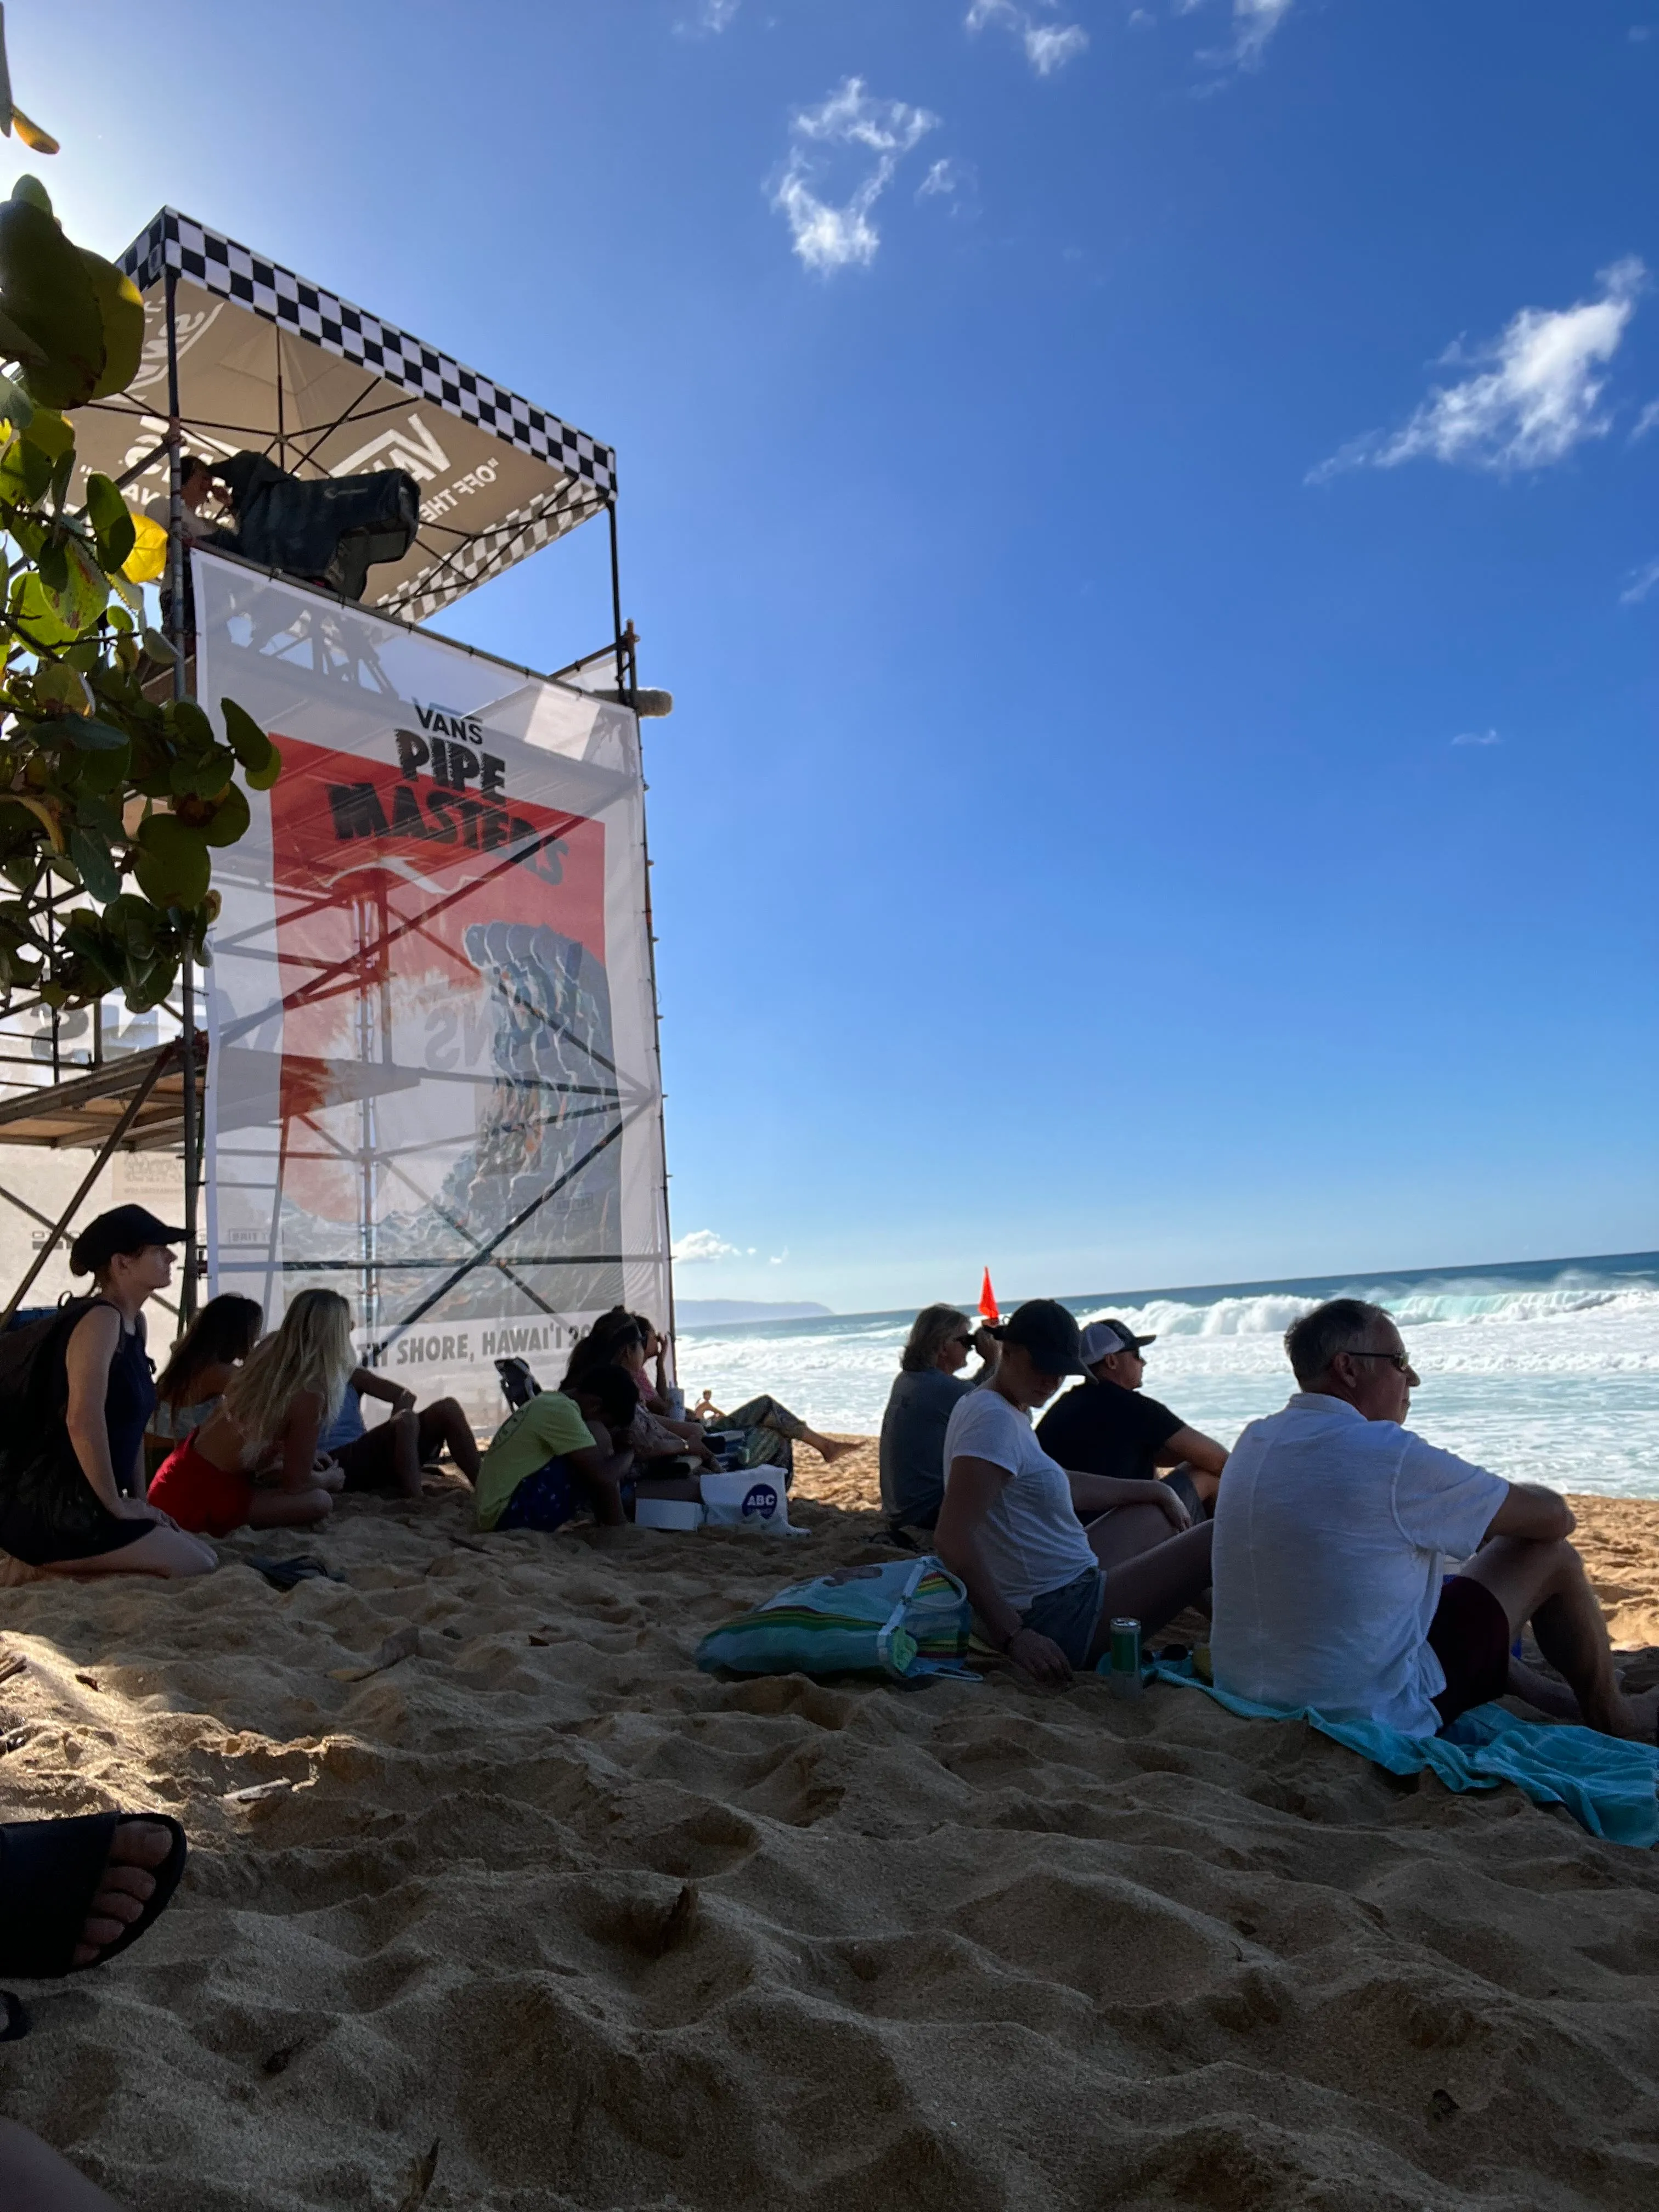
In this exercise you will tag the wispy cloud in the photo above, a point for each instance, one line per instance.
(709, 17)
(1254, 23)
(1537, 395)
(1477, 738)
(1048, 47)
(1647, 420)
(830, 235)
(1637, 585)
(699, 1244)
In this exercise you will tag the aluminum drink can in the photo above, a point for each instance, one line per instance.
(1126, 1657)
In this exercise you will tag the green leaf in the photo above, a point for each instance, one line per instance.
(27, 187)
(204, 778)
(230, 820)
(133, 920)
(31, 610)
(25, 472)
(173, 868)
(88, 735)
(57, 687)
(107, 511)
(84, 592)
(104, 772)
(184, 721)
(247, 740)
(98, 869)
(122, 309)
(159, 648)
(47, 429)
(47, 288)
(262, 779)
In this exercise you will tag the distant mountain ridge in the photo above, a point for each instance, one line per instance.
(713, 1313)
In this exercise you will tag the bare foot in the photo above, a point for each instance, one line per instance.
(828, 1449)
(126, 1888)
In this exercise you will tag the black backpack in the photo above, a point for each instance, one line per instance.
(25, 1365)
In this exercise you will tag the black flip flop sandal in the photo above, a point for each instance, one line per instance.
(50, 1871)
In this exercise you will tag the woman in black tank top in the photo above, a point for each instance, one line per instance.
(72, 1477)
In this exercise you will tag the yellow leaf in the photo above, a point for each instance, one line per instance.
(41, 811)
(148, 560)
(37, 140)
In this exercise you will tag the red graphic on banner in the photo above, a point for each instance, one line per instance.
(395, 889)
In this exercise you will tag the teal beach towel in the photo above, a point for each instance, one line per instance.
(906, 1619)
(1607, 1785)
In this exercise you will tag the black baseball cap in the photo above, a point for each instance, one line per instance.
(1044, 1329)
(123, 1229)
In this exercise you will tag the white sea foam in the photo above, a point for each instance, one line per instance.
(1554, 1379)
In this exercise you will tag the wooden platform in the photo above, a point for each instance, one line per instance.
(81, 1114)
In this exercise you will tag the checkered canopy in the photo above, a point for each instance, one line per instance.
(270, 363)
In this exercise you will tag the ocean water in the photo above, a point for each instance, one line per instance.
(1544, 1371)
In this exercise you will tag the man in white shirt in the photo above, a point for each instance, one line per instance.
(1332, 1532)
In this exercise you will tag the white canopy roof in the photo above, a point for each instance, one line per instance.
(271, 364)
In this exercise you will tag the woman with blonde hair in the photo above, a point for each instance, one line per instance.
(275, 1406)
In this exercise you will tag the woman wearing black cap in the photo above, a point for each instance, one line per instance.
(72, 1475)
(1045, 1586)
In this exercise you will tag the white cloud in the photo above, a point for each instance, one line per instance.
(1538, 395)
(699, 1244)
(1254, 23)
(829, 234)
(944, 177)
(1477, 738)
(708, 18)
(1639, 582)
(1647, 420)
(1048, 47)
(778, 1258)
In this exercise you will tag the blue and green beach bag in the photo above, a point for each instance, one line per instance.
(905, 1619)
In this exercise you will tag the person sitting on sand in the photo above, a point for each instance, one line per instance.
(392, 1456)
(202, 1362)
(768, 1429)
(72, 1466)
(1332, 1531)
(919, 1408)
(619, 1340)
(560, 1452)
(1107, 1426)
(274, 1408)
(1046, 1585)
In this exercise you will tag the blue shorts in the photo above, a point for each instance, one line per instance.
(1070, 1615)
(546, 1499)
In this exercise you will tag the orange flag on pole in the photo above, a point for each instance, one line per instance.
(987, 1300)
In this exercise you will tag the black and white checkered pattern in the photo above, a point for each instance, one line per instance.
(219, 264)
(525, 530)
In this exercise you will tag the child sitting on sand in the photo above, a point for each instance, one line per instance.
(555, 1455)
(273, 1410)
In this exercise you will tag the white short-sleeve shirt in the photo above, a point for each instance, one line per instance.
(1332, 1534)
(1031, 1538)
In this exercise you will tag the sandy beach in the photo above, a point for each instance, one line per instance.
(611, 1933)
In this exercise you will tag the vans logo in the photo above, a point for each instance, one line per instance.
(415, 449)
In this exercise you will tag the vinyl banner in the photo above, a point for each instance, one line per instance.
(432, 1077)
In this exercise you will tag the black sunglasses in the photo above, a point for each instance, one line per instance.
(1399, 1359)
(962, 1337)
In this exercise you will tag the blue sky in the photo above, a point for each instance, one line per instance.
(1149, 516)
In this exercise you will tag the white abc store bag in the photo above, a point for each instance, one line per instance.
(753, 1498)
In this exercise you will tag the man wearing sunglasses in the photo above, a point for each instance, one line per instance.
(1108, 1425)
(1333, 1533)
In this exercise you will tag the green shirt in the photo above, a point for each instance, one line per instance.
(546, 1428)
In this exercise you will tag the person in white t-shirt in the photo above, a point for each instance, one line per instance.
(1333, 1531)
(1046, 1586)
